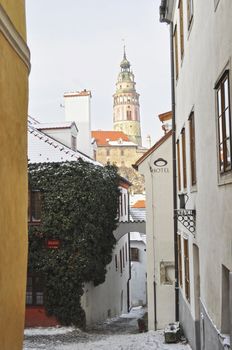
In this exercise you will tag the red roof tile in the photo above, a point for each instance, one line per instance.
(139, 204)
(103, 137)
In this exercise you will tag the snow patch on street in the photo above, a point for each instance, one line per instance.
(48, 331)
(144, 341)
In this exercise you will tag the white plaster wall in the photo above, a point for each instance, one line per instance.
(77, 108)
(125, 199)
(208, 50)
(159, 227)
(63, 135)
(104, 301)
(138, 283)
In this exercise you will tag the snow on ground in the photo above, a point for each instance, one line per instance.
(142, 341)
(30, 332)
(119, 333)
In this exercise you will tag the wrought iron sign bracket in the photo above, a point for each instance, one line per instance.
(187, 217)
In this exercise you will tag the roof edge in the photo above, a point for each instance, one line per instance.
(152, 149)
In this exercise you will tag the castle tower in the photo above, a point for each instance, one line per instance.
(126, 104)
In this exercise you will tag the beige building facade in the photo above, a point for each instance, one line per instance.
(115, 147)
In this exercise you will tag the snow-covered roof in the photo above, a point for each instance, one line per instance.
(45, 149)
(138, 214)
(56, 125)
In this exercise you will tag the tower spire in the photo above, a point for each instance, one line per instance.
(124, 51)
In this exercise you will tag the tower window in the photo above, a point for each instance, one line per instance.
(128, 115)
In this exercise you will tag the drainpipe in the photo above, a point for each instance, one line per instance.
(128, 256)
(163, 19)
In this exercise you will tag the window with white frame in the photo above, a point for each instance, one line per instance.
(224, 123)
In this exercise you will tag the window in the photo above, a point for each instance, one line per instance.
(186, 267)
(125, 204)
(189, 11)
(181, 28)
(120, 261)
(134, 253)
(123, 257)
(74, 143)
(224, 123)
(128, 115)
(179, 260)
(116, 262)
(178, 165)
(107, 152)
(184, 157)
(176, 52)
(192, 149)
(122, 152)
(34, 293)
(121, 204)
(34, 206)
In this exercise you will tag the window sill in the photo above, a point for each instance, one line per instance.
(224, 179)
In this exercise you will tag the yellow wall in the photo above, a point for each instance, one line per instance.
(16, 11)
(13, 190)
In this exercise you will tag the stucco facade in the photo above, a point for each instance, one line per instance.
(138, 283)
(159, 228)
(111, 298)
(14, 70)
(202, 36)
(78, 109)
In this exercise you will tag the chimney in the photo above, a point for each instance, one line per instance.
(78, 109)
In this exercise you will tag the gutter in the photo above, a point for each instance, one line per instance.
(164, 19)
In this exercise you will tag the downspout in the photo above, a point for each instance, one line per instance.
(163, 19)
(128, 256)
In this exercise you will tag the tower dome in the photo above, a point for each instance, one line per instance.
(125, 64)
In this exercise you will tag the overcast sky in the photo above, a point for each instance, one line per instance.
(77, 44)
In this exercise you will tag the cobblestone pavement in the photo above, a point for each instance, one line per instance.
(116, 334)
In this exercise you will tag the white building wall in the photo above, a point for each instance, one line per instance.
(207, 53)
(63, 135)
(159, 228)
(138, 283)
(78, 109)
(110, 298)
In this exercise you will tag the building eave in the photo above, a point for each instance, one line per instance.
(152, 149)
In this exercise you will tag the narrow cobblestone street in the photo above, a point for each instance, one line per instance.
(115, 334)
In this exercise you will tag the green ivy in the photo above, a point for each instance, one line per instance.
(79, 208)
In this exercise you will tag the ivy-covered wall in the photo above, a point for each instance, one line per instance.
(79, 208)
